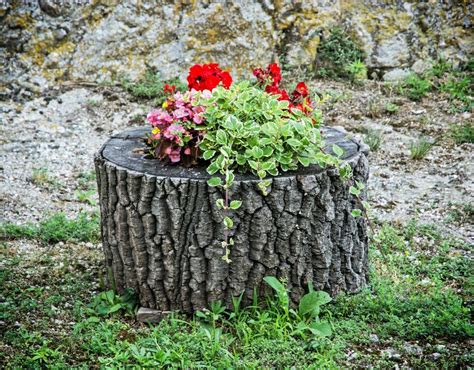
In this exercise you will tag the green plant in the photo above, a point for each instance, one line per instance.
(41, 177)
(460, 87)
(415, 87)
(107, 303)
(373, 139)
(391, 108)
(357, 70)
(306, 318)
(85, 196)
(56, 228)
(463, 133)
(151, 86)
(420, 148)
(336, 53)
(250, 131)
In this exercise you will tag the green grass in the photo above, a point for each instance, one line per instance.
(56, 228)
(415, 87)
(463, 133)
(420, 148)
(150, 86)
(373, 139)
(419, 292)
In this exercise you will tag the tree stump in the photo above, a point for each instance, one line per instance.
(162, 232)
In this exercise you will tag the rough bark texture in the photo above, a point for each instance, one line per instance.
(162, 233)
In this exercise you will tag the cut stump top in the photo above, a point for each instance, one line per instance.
(127, 150)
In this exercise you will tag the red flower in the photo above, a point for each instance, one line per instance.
(271, 89)
(301, 90)
(169, 89)
(269, 76)
(207, 77)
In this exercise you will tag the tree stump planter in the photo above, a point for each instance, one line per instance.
(162, 232)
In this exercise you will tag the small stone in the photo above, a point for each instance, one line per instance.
(392, 354)
(435, 355)
(396, 74)
(412, 349)
(374, 338)
(421, 66)
(151, 316)
(418, 111)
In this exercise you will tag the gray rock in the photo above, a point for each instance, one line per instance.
(412, 349)
(421, 66)
(374, 338)
(150, 316)
(392, 354)
(397, 74)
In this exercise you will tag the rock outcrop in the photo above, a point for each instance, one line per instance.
(46, 41)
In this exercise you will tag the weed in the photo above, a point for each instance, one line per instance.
(460, 90)
(84, 179)
(55, 229)
(150, 86)
(357, 70)
(41, 177)
(391, 108)
(415, 87)
(463, 133)
(336, 53)
(373, 139)
(107, 303)
(94, 102)
(85, 196)
(440, 68)
(461, 213)
(420, 148)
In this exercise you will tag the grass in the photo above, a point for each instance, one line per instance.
(373, 139)
(463, 133)
(420, 148)
(56, 228)
(40, 176)
(415, 87)
(419, 294)
(150, 86)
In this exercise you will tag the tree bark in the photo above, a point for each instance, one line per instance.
(162, 232)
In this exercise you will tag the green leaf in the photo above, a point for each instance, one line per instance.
(228, 222)
(220, 203)
(253, 165)
(311, 302)
(212, 168)
(337, 150)
(321, 328)
(208, 154)
(353, 190)
(229, 178)
(214, 181)
(241, 159)
(275, 284)
(294, 143)
(356, 212)
(235, 204)
(257, 152)
(267, 151)
(261, 174)
(304, 161)
(221, 137)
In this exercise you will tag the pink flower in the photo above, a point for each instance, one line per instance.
(159, 117)
(173, 154)
(181, 112)
(174, 133)
(198, 114)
